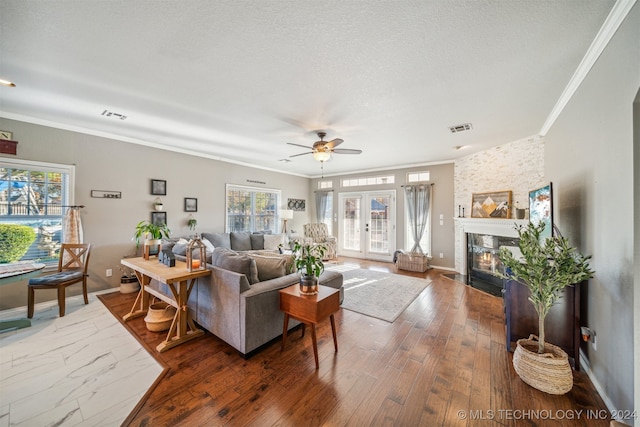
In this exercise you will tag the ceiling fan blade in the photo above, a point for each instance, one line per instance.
(347, 151)
(333, 143)
(302, 154)
(298, 145)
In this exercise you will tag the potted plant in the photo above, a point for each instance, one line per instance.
(152, 233)
(308, 261)
(192, 223)
(545, 268)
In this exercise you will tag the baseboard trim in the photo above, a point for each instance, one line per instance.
(586, 367)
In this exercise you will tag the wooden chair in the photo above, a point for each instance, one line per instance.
(72, 268)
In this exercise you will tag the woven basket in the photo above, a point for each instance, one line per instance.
(412, 262)
(159, 316)
(549, 372)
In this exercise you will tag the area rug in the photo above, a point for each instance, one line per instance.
(377, 294)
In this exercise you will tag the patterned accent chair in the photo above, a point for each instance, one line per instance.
(318, 233)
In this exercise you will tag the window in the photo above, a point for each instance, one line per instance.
(325, 185)
(36, 194)
(418, 176)
(252, 209)
(371, 180)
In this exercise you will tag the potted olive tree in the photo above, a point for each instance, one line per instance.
(545, 268)
(308, 261)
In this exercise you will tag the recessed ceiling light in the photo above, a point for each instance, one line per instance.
(4, 82)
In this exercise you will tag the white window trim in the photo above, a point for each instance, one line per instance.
(249, 188)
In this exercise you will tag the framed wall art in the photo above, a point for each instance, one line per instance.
(158, 218)
(190, 204)
(158, 187)
(495, 204)
(541, 209)
(296, 204)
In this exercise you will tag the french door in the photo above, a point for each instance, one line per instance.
(367, 224)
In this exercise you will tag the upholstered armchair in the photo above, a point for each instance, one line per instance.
(318, 233)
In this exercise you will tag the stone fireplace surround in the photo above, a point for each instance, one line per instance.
(492, 226)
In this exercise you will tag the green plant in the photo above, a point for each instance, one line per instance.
(546, 268)
(192, 223)
(308, 258)
(15, 241)
(146, 228)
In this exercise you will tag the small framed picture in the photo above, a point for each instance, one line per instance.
(158, 218)
(158, 187)
(190, 204)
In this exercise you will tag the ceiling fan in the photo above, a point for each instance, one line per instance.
(322, 149)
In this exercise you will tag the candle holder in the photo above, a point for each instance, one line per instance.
(200, 262)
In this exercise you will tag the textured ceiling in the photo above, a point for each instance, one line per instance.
(237, 80)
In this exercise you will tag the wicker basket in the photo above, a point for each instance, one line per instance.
(549, 372)
(412, 262)
(159, 316)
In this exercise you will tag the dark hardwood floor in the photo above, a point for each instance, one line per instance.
(443, 362)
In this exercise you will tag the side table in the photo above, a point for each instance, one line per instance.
(310, 309)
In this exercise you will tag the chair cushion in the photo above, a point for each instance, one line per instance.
(57, 278)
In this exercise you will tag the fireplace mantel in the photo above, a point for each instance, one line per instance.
(492, 226)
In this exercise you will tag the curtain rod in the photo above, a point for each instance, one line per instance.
(324, 191)
(70, 206)
(432, 184)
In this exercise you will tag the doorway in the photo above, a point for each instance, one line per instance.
(367, 224)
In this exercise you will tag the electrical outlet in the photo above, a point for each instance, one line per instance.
(109, 272)
(441, 255)
(593, 341)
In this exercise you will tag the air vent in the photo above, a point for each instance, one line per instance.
(460, 128)
(108, 113)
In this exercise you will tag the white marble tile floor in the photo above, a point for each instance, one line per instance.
(83, 369)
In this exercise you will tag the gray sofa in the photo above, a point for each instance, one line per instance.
(242, 307)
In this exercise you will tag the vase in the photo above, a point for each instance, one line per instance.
(308, 284)
(549, 372)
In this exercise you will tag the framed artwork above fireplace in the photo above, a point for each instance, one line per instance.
(495, 204)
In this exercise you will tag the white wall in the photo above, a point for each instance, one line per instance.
(106, 164)
(589, 158)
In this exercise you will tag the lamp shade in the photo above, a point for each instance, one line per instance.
(286, 214)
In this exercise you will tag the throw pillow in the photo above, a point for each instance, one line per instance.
(239, 263)
(270, 267)
(257, 241)
(240, 241)
(271, 241)
(219, 240)
(180, 247)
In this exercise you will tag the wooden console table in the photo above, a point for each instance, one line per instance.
(180, 282)
(310, 309)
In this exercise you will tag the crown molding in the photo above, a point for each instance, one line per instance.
(618, 13)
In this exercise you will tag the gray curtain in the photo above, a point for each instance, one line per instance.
(322, 198)
(418, 204)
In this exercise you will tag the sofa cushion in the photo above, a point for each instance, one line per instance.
(219, 240)
(240, 241)
(270, 267)
(257, 241)
(271, 241)
(233, 261)
(179, 247)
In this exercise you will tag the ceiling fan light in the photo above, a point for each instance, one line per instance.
(322, 156)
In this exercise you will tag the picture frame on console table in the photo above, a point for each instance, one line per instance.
(494, 204)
